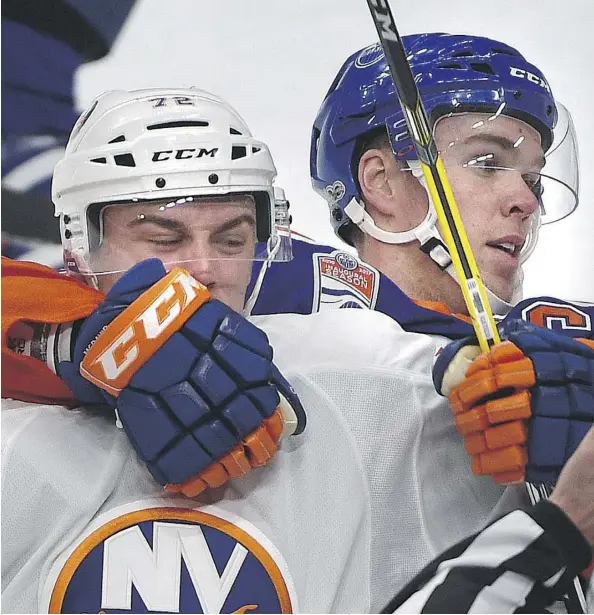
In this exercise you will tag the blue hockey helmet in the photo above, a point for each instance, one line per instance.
(454, 73)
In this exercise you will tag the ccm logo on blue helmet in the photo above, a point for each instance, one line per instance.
(171, 560)
(183, 154)
(525, 74)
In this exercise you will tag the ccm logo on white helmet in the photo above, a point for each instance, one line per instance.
(524, 74)
(183, 154)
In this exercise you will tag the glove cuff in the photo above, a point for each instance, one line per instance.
(47, 342)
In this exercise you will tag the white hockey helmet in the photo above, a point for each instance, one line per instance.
(162, 146)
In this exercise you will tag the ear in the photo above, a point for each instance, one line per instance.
(377, 180)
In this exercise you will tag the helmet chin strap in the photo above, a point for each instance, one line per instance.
(432, 244)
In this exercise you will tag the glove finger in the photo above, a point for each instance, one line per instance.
(232, 465)
(505, 435)
(190, 488)
(275, 425)
(236, 462)
(260, 446)
(471, 421)
(214, 475)
(493, 438)
(509, 408)
(511, 458)
(476, 387)
(505, 352)
(515, 375)
(485, 382)
(256, 449)
(495, 411)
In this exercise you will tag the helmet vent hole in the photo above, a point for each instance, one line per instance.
(124, 160)
(255, 149)
(463, 54)
(238, 151)
(450, 66)
(118, 139)
(482, 67)
(234, 131)
(99, 160)
(506, 52)
(179, 124)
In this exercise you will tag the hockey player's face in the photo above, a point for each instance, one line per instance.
(493, 163)
(213, 238)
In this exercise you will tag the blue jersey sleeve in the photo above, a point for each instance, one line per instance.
(323, 277)
(572, 319)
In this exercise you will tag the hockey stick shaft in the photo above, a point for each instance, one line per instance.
(437, 182)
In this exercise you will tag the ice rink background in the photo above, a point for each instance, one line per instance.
(275, 59)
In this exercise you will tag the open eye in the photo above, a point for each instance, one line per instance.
(483, 161)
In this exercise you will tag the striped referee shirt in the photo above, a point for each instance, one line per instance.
(520, 563)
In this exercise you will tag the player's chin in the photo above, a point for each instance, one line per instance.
(499, 272)
(501, 285)
(232, 297)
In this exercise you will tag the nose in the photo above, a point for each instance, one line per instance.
(197, 260)
(202, 269)
(519, 198)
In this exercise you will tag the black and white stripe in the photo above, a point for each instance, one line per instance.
(523, 562)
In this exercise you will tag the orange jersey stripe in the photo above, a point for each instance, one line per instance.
(36, 293)
(442, 308)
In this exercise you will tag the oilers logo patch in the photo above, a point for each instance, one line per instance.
(143, 558)
(341, 280)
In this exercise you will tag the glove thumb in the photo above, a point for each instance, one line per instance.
(452, 362)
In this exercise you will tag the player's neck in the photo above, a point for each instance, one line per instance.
(414, 273)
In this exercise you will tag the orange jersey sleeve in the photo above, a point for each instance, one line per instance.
(36, 293)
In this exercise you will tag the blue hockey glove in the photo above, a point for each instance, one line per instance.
(192, 381)
(524, 406)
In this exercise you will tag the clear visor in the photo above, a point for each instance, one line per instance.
(496, 161)
(189, 232)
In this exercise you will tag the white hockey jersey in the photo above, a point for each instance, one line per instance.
(86, 529)
(366, 386)
(424, 496)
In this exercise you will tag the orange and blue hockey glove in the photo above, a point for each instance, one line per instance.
(524, 406)
(193, 382)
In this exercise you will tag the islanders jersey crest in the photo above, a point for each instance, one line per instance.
(146, 558)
